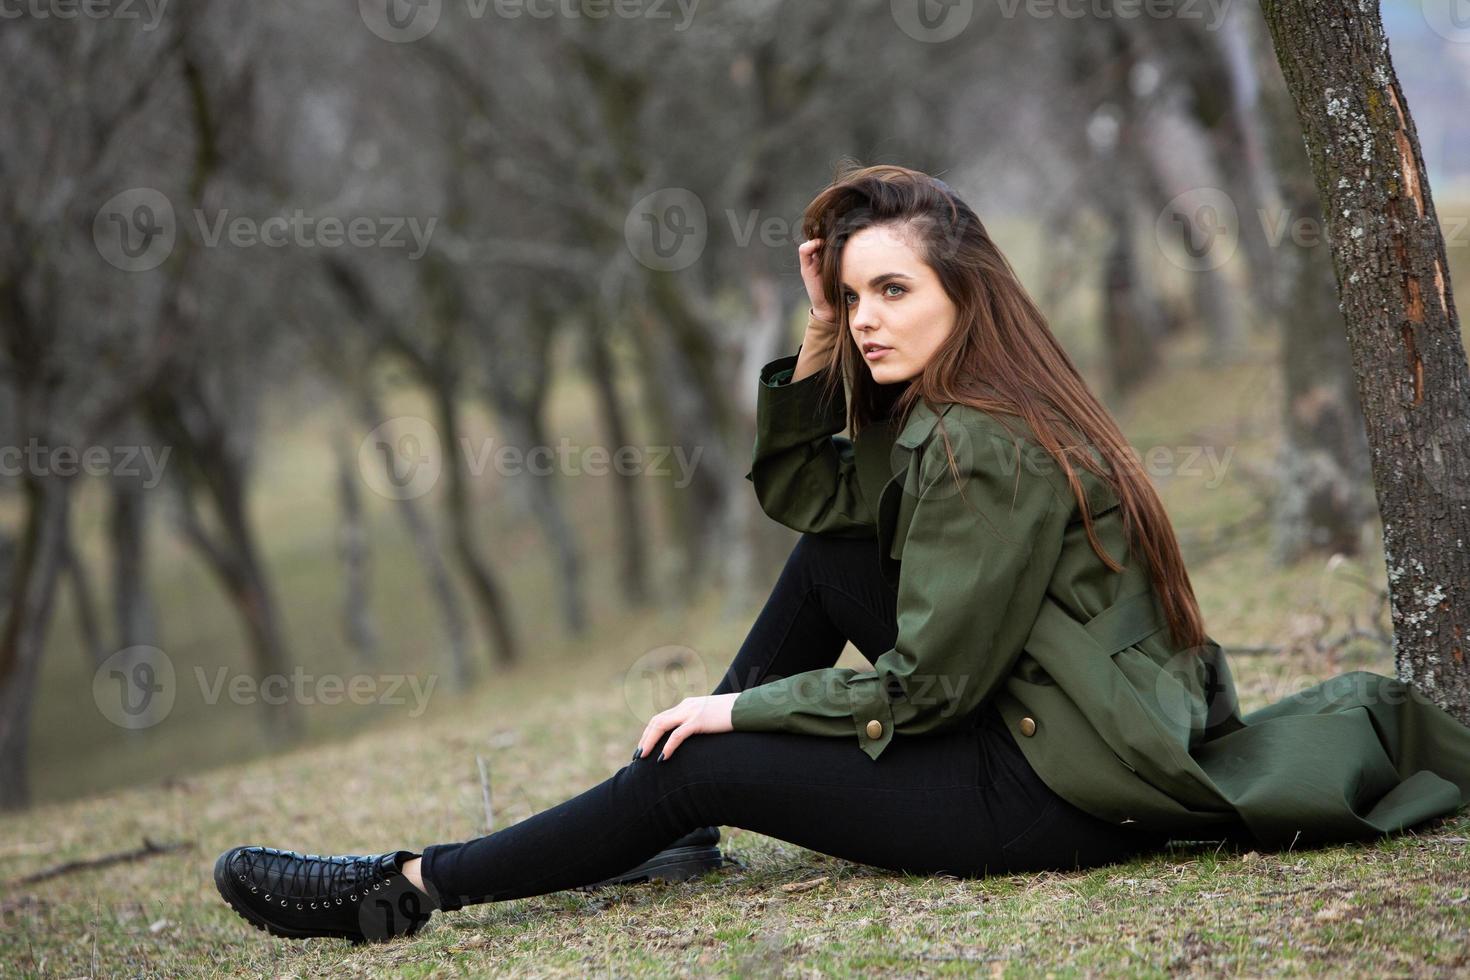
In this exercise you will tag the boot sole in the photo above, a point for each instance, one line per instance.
(673, 864)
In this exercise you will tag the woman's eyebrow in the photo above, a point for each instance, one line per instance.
(882, 276)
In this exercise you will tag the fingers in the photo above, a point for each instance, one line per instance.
(662, 722)
(676, 737)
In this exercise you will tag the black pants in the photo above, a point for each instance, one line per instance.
(963, 802)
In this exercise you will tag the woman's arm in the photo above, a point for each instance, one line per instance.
(975, 569)
(805, 475)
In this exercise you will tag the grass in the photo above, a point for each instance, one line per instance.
(372, 777)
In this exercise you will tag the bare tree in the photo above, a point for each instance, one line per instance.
(1392, 274)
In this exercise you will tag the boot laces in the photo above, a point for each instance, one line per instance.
(313, 876)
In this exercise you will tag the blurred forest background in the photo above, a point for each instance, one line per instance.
(280, 280)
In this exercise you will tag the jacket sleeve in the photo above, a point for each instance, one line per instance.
(804, 474)
(975, 567)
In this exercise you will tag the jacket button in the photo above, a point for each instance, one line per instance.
(1028, 727)
(875, 729)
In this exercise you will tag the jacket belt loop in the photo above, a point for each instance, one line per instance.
(1126, 622)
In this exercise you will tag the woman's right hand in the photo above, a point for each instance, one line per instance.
(808, 252)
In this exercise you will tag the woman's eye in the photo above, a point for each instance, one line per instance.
(894, 285)
(850, 298)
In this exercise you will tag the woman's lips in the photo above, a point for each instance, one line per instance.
(876, 353)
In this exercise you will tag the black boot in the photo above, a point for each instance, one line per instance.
(347, 896)
(691, 855)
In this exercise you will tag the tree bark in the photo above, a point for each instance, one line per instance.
(1408, 358)
(353, 548)
(1325, 494)
(23, 634)
(632, 554)
(132, 606)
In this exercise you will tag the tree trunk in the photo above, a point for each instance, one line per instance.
(430, 555)
(132, 606)
(1402, 327)
(83, 599)
(23, 636)
(1325, 495)
(356, 555)
(632, 554)
(490, 599)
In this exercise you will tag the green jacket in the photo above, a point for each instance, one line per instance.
(1000, 596)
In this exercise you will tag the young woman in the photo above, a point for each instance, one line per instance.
(1043, 692)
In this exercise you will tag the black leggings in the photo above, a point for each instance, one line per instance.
(963, 802)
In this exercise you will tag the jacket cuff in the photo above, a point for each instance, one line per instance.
(794, 412)
(869, 705)
(811, 703)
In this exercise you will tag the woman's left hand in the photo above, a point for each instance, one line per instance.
(707, 715)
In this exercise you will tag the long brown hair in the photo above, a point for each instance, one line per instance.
(1001, 358)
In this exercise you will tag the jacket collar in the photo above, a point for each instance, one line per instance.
(922, 420)
(883, 450)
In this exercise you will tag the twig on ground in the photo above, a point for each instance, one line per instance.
(148, 850)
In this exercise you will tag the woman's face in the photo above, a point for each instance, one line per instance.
(894, 302)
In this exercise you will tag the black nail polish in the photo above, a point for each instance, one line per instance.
(637, 752)
(660, 757)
